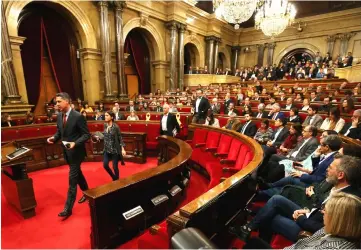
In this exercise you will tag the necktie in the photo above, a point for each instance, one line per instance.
(274, 116)
(259, 115)
(64, 120)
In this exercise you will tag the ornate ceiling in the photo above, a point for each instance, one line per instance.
(304, 8)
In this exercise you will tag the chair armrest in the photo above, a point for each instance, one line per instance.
(304, 234)
(211, 150)
(199, 145)
(231, 170)
(154, 229)
(220, 154)
(228, 162)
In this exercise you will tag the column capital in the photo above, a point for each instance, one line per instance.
(236, 48)
(171, 25)
(271, 45)
(260, 46)
(346, 36)
(212, 38)
(331, 38)
(102, 3)
(118, 5)
(182, 27)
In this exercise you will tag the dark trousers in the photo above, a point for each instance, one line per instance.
(115, 159)
(274, 171)
(257, 243)
(276, 217)
(76, 177)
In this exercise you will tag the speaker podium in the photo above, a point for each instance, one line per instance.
(16, 185)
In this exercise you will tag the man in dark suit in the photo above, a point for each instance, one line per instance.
(353, 129)
(275, 113)
(158, 108)
(201, 106)
(283, 216)
(168, 123)
(73, 131)
(118, 115)
(261, 113)
(248, 128)
(349, 59)
(131, 107)
(313, 118)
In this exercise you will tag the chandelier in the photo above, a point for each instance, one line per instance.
(274, 16)
(235, 11)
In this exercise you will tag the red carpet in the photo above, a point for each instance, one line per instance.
(46, 230)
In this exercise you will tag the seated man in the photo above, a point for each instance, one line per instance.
(232, 123)
(353, 129)
(274, 171)
(303, 177)
(249, 128)
(275, 113)
(282, 216)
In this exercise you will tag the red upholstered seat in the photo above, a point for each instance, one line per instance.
(303, 115)
(199, 136)
(124, 127)
(8, 135)
(152, 134)
(244, 157)
(20, 122)
(222, 121)
(280, 242)
(221, 150)
(137, 127)
(211, 142)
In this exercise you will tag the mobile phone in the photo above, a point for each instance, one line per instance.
(67, 145)
(295, 164)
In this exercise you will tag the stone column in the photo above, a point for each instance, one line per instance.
(235, 55)
(172, 26)
(330, 43)
(271, 48)
(210, 53)
(119, 49)
(345, 38)
(8, 78)
(181, 30)
(217, 41)
(105, 48)
(260, 49)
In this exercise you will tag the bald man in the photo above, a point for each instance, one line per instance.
(168, 123)
(353, 129)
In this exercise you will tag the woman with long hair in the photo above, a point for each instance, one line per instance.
(294, 117)
(113, 145)
(211, 120)
(333, 121)
(291, 140)
(348, 106)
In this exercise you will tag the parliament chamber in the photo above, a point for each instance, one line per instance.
(244, 133)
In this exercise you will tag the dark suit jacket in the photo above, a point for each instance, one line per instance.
(296, 119)
(280, 115)
(158, 109)
(250, 131)
(120, 116)
(306, 150)
(354, 133)
(226, 103)
(135, 108)
(172, 124)
(116, 134)
(281, 137)
(264, 114)
(319, 170)
(75, 130)
(5, 124)
(315, 221)
(202, 108)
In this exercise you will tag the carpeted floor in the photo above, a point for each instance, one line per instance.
(46, 230)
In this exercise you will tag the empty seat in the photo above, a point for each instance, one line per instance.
(217, 153)
(211, 142)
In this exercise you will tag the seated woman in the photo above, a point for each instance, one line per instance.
(299, 97)
(247, 109)
(30, 119)
(179, 104)
(341, 231)
(294, 117)
(84, 113)
(87, 108)
(132, 117)
(264, 133)
(7, 121)
(145, 107)
(333, 121)
(348, 106)
(211, 120)
(292, 139)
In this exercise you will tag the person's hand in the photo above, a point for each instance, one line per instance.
(299, 213)
(354, 122)
(50, 140)
(318, 151)
(296, 174)
(123, 152)
(71, 145)
(310, 191)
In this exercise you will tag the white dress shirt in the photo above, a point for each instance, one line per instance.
(197, 104)
(276, 135)
(305, 108)
(245, 126)
(164, 122)
(294, 154)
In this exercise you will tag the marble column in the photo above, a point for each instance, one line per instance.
(172, 26)
(8, 78)
(105, 48)
(331, 43)
(210, 53)
(181, 30)
(271, 48)
(345, 38)
(119, 49)
(260, 49)
(235, 55)
(217, 41)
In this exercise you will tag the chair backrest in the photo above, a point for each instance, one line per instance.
(224, 144)
(199, 136)
(234, 149)
(212, 139)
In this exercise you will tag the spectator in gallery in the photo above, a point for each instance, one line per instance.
(333, 121)
(211, 120)
(294, 117)
(30, 119)
(264, 133)
(84, 113)
(348, 106)
(132, 116)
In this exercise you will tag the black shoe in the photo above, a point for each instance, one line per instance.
(243, 232)
(263, 184)
(82, 199)
(65, 213)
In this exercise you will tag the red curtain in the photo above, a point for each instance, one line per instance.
(46, 30)
(137, 47)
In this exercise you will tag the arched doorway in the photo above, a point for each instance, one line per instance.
(49, 54)
(137, 46)
(298, 54)
(191, 57)
(222, 65)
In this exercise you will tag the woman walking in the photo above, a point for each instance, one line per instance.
(113, 145)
